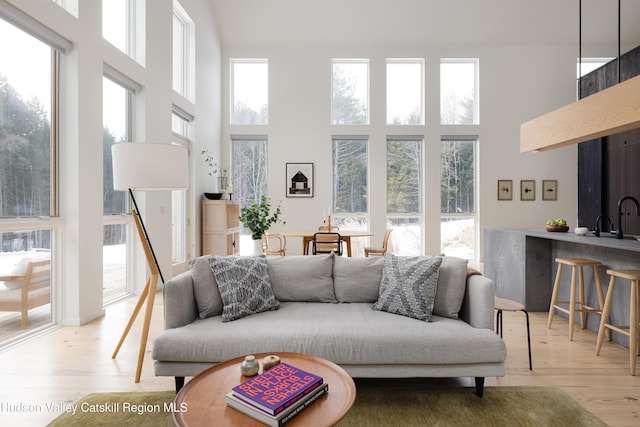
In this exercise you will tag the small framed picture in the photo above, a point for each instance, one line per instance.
(505, 189)
(550, 189)
(527, 189)
(299, 180)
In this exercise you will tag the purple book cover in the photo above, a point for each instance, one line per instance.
(278, 388)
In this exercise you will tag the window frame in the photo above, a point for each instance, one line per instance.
(123, 218)
(232, 91)
(475, 139)
(420, 214)
(476, 90)
(134, 28)
(52, 223)
(182, 136)
(367, 62)
(341, 216)
(418, 61)
(187, 87)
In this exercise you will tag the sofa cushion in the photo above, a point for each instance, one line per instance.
(244, 286)
(346, 334)
(357, 279)
(302, 278)
(408, 286)
(452, 282)
(205, 287)
(22, 266)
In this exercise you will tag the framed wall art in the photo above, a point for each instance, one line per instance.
(550, 189)
(505, 189)
(527, 189)
(299, 179)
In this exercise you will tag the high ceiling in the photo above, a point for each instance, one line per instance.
(285, 22)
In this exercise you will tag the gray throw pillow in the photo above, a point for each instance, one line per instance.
(357, 279)
(452, 283)
(408, 286)
(302, 278)
(205, 288)
(244, 286)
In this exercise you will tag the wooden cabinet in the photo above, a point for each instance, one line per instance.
(220, 227)
(622, 178)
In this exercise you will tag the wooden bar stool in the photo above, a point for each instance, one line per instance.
(634, 302)
(502, 304)
(577, 265)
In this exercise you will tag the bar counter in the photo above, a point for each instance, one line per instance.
(521, 262)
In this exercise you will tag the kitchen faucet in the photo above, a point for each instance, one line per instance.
(596, 229)
(619, 234)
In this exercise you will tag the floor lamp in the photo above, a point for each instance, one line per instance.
(147, 167)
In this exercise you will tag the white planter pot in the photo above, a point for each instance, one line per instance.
(257, 247)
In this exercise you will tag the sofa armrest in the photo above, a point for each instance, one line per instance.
(180, 307)
(477, 307)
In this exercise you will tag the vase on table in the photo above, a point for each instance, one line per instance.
(223, 183)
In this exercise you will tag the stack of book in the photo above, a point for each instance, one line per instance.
(276, 396)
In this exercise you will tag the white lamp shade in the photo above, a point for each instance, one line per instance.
(149, 166)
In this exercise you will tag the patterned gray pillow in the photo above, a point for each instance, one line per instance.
(244, 286)
(408, 286)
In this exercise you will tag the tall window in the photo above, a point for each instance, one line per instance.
(250, 91)
(179, 214)
(404, 194)
(405, 93)
(589, 64)
(459, 92)
(585, 67)
(116, 129)
(70, 6)
(28, 188)
(458, 197)
(123, 26)
(350, 205)
(249, 160)
(350, 92)
(183, 52)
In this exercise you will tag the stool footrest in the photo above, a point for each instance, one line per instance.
(623, 329)
(584, 308)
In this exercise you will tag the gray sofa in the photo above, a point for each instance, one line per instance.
(324, 305)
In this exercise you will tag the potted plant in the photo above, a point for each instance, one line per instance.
(214, 168)
(257, 217)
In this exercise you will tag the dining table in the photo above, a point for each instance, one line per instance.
(345, 235)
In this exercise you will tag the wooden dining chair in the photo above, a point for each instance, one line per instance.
(326, 243)
(383, 249)
(274, 244)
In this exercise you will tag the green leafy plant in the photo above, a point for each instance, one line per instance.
(210, 161)
(258, 219)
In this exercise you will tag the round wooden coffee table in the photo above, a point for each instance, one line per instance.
(203, 398)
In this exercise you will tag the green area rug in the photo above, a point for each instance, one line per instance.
(378, 403)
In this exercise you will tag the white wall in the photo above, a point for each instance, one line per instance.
(517, 83)
(79, 256)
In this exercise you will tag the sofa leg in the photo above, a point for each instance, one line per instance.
(179, 383)
(479, 386)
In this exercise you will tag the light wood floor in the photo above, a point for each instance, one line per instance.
(71, 362)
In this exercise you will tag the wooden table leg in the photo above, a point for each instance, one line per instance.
(347, 241)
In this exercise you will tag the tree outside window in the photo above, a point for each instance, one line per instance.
(404, 195)
(350, 203)
(350, 92)
(458, 197)
(250, 91)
